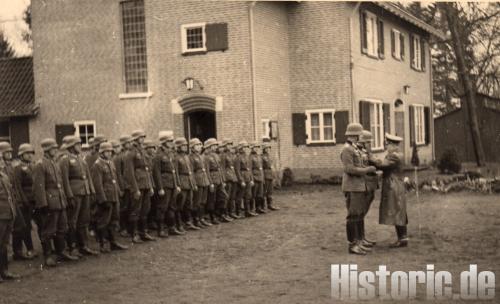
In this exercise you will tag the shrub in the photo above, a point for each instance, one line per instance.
(288, 178)
(449, 162)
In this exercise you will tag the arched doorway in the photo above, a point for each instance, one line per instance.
(200, 124)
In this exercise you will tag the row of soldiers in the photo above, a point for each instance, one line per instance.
(128, 186)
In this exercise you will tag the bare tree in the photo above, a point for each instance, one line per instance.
(6, 50)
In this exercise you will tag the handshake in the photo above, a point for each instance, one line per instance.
(370, 169)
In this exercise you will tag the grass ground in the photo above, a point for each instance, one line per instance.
(282, 257)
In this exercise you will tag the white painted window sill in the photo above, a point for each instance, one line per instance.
(135, 95)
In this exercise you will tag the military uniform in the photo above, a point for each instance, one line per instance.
(228, 161)
(79, 188)
(23, 178)
(7, 215)
(267, 164)
(187, 184)
(108, 191)
(217, 198)
(138, 175)
(243, 169)
(125, 199)
(167, 181)
(258, 188)
(200, 196)
(50, 205)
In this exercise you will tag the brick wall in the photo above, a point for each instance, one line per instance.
(319, 71)
(384, 79)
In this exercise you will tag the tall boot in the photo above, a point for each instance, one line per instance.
(47, 254)
(143, 231)
(17, 247)
(161, 229)
(103, 245)
(402, 241)
(60, 246)
(4, 267)
(178, 221)
(260, 205)
(114, 245)
(83, 240)
(270, 205)
(134, 232)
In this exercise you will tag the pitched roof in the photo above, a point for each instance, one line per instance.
(17, 88)
(404, 14)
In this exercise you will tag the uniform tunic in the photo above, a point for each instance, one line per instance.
(243, 168)
(202, 178)
(217, 198)
(165, 178)
(108, 191)
(258, 175)
(7, 215)
(187, 182)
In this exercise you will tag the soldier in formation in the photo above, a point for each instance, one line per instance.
(192, 185)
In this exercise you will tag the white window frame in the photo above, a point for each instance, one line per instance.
(378, 137)
(397, 44)
(79, 123)
(321, 113)
(184, 29)
(419, 121)
(417, 56)
(371, 34)
(266, 129)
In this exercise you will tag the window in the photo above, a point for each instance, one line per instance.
(193, 38)
(320, 127)
(397, 44)
(4, 131)
(371, 34)
(419, 121)
(266, 129)
(375, 116)
(85, 130)
(134, 47)
(417, 49)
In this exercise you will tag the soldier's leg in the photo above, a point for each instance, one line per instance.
(211, 199)
(27, 212)
(72, 212)
(269, 195)
(48, 228)
(354, 203)
(259, 197)
(370, 195)
(143, 220)
(181, 200)
(124, 213)
(221, 201)
(248, 198)
(6, 227)
(134, 216)
(103, 218)
(113, 227)
(82, 225)
(18, 234)
(61, 225)
(151, 221)
(161, 209)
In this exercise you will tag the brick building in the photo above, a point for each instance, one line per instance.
(293, 73)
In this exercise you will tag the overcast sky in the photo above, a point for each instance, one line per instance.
(13, 25)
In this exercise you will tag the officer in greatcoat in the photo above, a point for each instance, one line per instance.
(138, 176)
(354, 188)
(50, 205)
(7, 216)
(79, 189)
(167, 183)
(393, 197)
(107, 189)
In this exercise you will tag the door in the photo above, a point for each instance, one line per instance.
(400, 128)
(200, 124)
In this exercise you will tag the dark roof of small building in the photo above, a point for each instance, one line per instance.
(17, 87)
(404, 14)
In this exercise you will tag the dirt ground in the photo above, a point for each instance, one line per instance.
(282, 257)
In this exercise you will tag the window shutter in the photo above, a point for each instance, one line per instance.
(412, 125)
(64, 130)
(402, 45)
(412, 51)
(299, 128)
(427, 117)
(217, 34)
(341, 122)
(386, 108)
(364, 38)
(422, 53)
(393, 44)
(364, 114)
(380, 32)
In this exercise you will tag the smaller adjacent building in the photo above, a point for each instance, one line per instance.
(453, 130)
(17, 99)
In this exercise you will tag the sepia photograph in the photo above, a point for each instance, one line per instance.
(233, 151)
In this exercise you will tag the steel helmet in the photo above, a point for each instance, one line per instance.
(71, 141)
(243, 144)
(5, 147)
(354, 129)
(48, 144)
(180, 141)
(105, 146)
(138, 134)
(25, 148)
(125, 139)
(149, 144)
(366, 136)
(210, 142)
(195, 141)
(164, 136)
